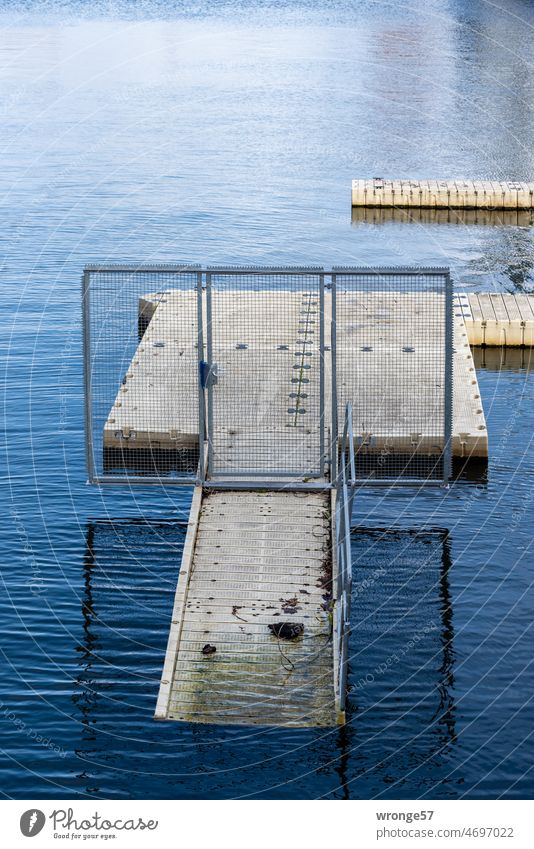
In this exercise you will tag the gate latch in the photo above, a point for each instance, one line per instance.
(209, 375)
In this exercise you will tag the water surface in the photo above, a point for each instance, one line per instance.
(222, 133)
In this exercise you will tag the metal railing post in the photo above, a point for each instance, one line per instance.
(201, 391)
(333, 357)
(448, 393)
(209, 335)
(344, 495)
(87, 376)
(321, 377)
(344, 650)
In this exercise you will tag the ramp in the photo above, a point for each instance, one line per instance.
(253, 559)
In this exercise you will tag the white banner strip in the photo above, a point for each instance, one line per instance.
(270, 824)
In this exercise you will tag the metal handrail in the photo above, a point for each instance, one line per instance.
(344, 487)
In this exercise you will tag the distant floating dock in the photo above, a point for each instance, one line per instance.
(443, 194)
(497, 320)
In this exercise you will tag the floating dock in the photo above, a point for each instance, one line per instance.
(497, 320)
(443, 194)
(251, 560)
(158, 400)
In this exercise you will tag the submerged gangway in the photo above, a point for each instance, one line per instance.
(259, 629)
(259, 561)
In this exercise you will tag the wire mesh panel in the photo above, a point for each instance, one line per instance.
(266, 387)
(264, 371)
(141, 350)
(392, 344)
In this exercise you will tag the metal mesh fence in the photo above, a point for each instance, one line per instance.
(141, 334)
(177, 353)
(265, 351)
(392, 343)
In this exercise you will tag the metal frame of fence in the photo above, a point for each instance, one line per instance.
(111, 297)
(385, 285)
(344, 488)
(278, 433)
(113, 331)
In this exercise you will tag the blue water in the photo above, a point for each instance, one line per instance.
(229, 133)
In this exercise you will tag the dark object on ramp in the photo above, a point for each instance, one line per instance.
(287, 630)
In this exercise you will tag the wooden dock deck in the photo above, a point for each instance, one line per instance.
(158, 399)
(253, 559)
(443, 194)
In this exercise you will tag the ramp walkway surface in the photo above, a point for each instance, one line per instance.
(253, 562)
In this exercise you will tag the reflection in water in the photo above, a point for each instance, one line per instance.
(482, 217)
(185, 145)
(508, 244)
(85, 696)
(402, 666)
(504, 359)
(130, 571)
(446, 684)
(470, 469)
(401, 719)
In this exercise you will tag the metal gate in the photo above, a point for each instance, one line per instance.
(392, 337)
(265, 373)
(258, 398)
